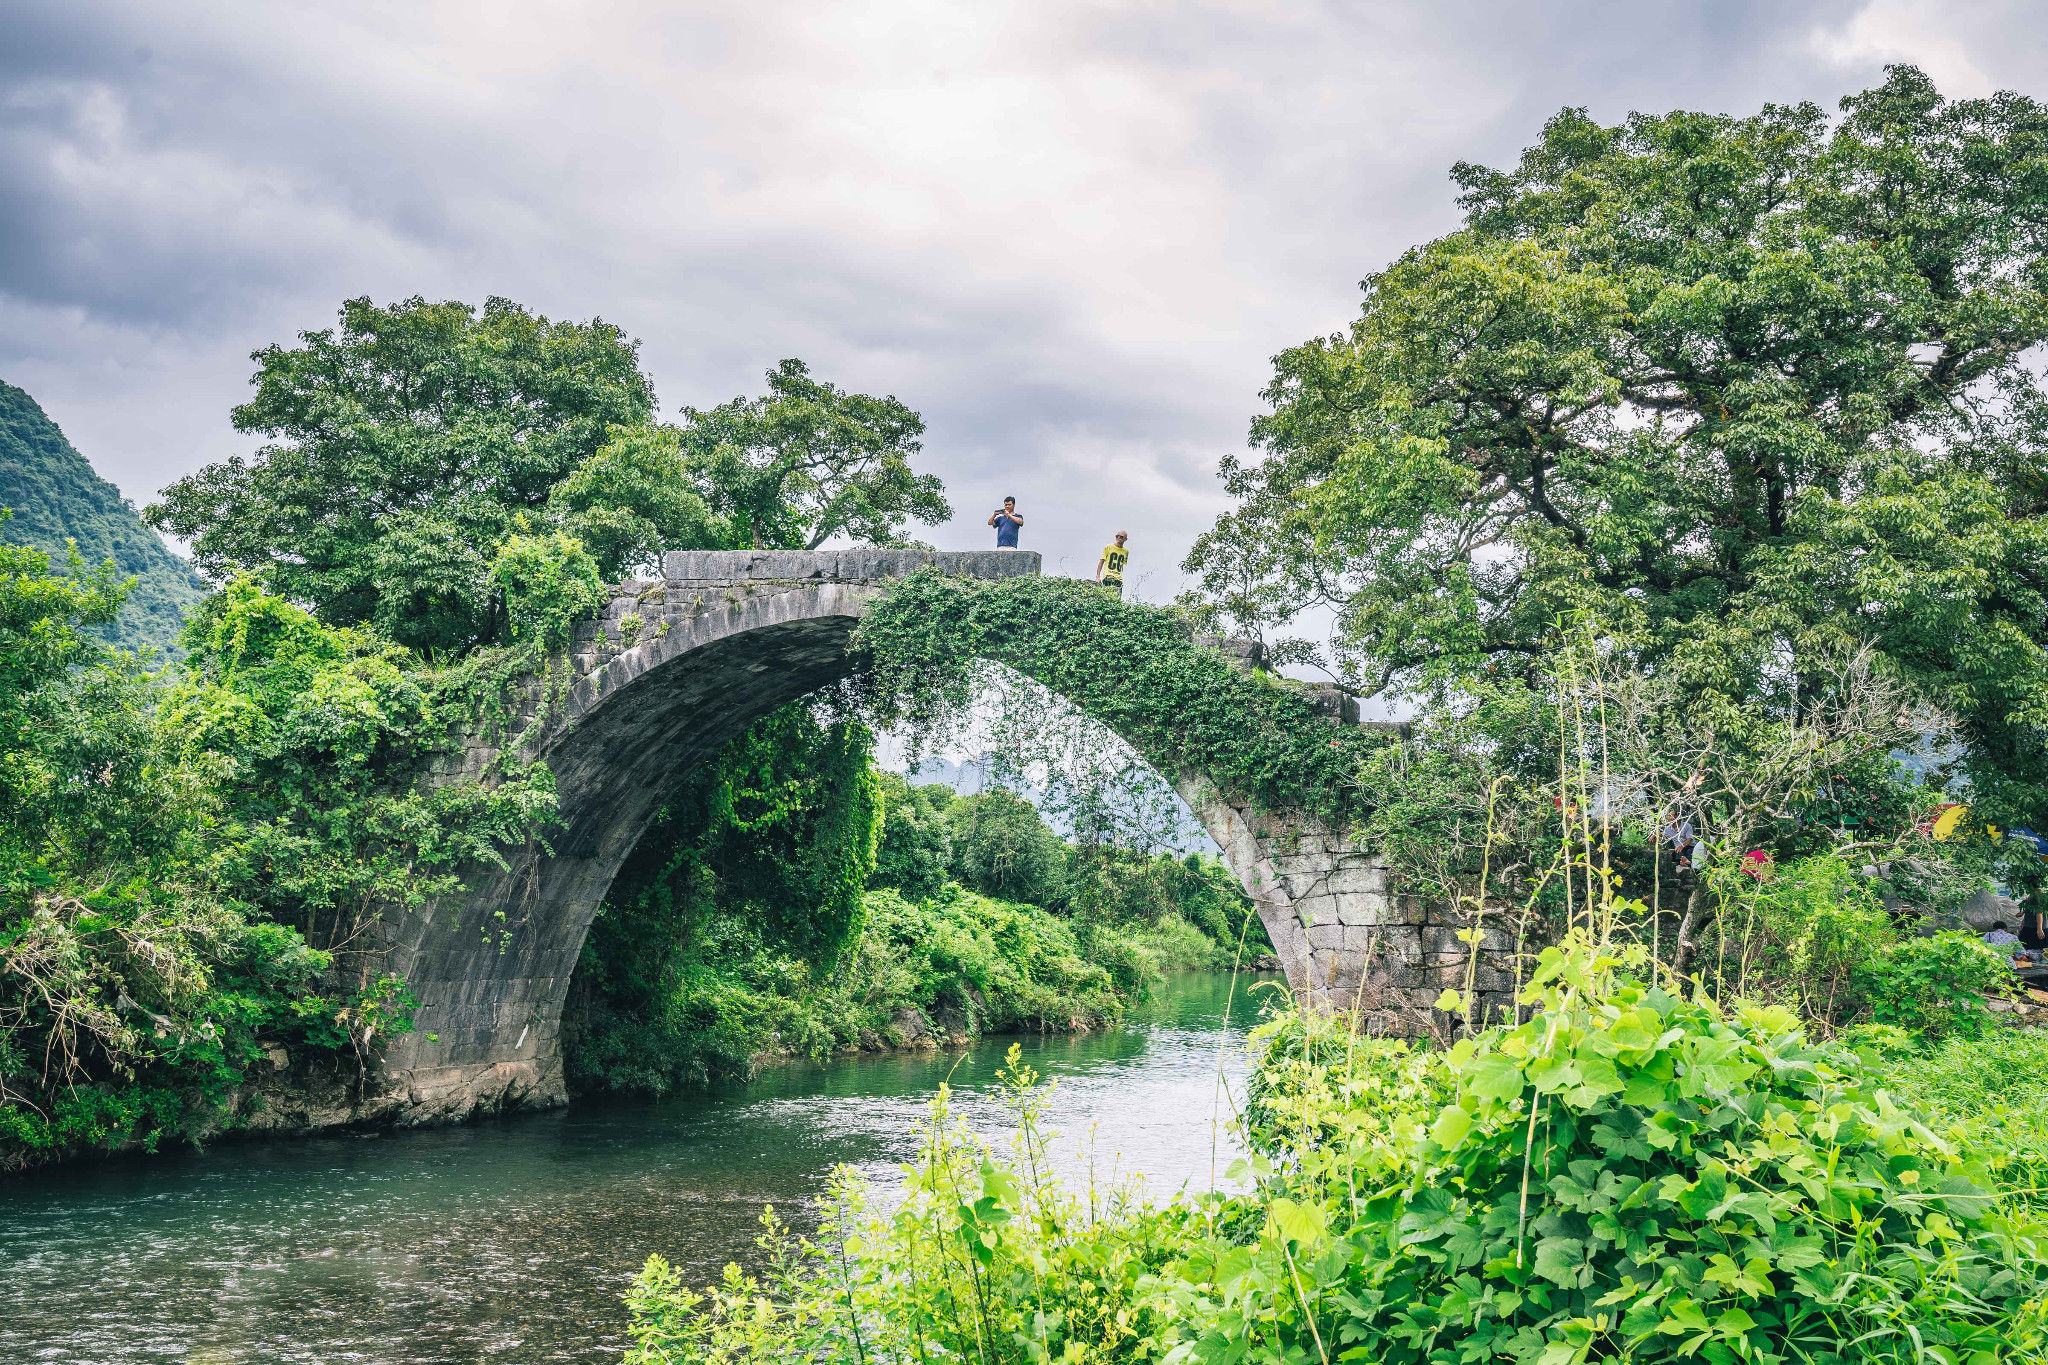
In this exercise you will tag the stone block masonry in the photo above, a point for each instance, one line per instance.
(672, 669)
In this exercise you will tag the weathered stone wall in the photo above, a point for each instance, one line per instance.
(674, 668)
(1346, 942)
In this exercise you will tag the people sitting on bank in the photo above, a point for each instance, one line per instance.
(1006, 521)
(1678, 833)
(2011, 945)
(1109, 569)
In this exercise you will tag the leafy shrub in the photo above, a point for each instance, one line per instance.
(1806, 931)
(131, 1016)
(1630, 1174)
(1003, 848)
(1122, 886)
(1935, 987)
(916, 853)
(1320, 1091)
(1634, 1173)
(549, 583)
(956, 963)
(1171, 944)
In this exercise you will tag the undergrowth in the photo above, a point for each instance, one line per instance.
(1635, 1172)
(957, 966)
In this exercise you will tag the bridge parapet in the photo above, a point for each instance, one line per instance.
(861, 564)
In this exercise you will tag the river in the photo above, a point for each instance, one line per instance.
(511, 1240)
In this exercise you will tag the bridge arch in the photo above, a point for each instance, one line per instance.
(677, 666)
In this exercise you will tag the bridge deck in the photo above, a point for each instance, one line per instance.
(862, 564)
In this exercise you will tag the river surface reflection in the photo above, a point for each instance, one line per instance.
(511, 1240)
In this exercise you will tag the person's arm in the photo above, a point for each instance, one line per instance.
(1017, 517)
(1099, 564)
(993, 515)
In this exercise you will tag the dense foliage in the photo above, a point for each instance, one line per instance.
(790, 899)
(915, 856)
(55, 496)
(1632, 1173)
(1743, 390)
(949, 968)
(185, 865)
(321, 733)
(403, 446)
(809, 461)
(1002, 847)
(1986, 1094)
(1135, 669)
(454, 477)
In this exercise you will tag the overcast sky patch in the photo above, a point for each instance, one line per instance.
(1071, 235)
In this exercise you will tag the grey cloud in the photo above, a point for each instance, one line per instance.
(1071, 235)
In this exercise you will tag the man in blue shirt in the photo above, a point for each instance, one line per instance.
(1006, 521)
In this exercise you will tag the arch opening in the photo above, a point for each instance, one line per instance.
(674, 670)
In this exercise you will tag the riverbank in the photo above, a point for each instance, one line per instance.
(1622, 1126)
(941, 974)
(943, 971)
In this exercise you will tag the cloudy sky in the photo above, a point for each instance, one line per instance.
(1070, 234)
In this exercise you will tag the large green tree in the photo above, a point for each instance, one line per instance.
(422, 457)
(1740, 389)
(403, 445)
(809, 461)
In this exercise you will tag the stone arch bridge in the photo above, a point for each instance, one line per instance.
(673, 669)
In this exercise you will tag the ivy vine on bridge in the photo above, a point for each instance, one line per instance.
(677, 665)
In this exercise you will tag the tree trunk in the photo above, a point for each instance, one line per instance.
(1689, 922)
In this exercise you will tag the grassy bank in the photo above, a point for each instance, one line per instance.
(1987, 1095)
(954, 967)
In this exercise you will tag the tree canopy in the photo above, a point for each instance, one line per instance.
(1736, 387)
(402, 446)
(417, 446)
(809, 461)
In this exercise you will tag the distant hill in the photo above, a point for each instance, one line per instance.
(54, 493)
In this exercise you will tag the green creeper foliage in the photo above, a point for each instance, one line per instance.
(324, 731)
(1132, 667)
(1630, 1172)
(761, 857)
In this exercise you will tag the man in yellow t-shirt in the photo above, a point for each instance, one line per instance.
(1109, 570)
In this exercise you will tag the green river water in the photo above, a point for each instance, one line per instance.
(511, 1240)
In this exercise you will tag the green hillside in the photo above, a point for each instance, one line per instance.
(54, 493)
